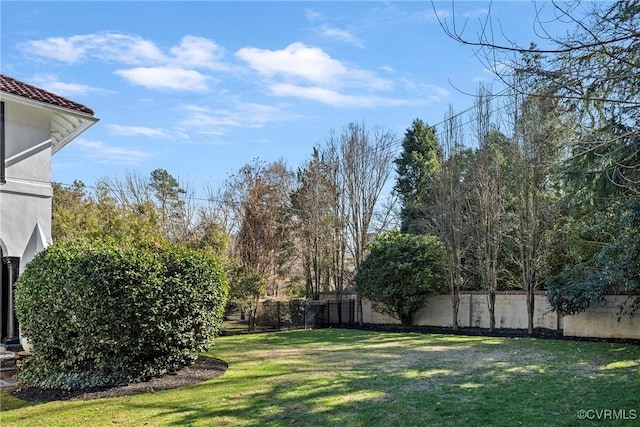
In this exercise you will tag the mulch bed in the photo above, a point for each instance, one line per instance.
(204, 368)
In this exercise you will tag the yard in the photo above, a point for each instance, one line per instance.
(363, 378)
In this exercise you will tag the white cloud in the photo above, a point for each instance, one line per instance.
(326, 96)
(61, 49)
(199, 52)
(124, 48)
(117, 47)
(296, 60)
(426, 91)
(112, 154)
(209, 122)
(52, 84)
(311, 65)
(312, 15)
(166, 78)
(431, 15)
(435, 93)
(342, 35)
(217, 121)
(137, 131)
(482, 12)
(178, 65)
(334, 98)
(259, 115)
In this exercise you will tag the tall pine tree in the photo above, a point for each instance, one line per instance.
(420, 159)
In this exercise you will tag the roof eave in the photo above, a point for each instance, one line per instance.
(45, 105)
(86, 120)
(86, 124)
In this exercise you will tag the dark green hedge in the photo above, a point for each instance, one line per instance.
(99, 314)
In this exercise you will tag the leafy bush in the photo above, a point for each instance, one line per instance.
(401, 272)
(98, 314)
(614, 269)
(245, 288)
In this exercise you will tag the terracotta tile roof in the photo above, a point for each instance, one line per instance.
(18, 88)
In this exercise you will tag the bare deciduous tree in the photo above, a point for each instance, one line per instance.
(315, 213)
(366, 158)
(592, 68)
(356, 165)
(338, 211)
(537, 133)
(259, 197)
(487, 198)
(449, 212)
(161, 198)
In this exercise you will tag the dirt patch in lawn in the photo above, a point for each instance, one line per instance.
(205, 368)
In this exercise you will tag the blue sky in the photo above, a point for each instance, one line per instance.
(202, 88)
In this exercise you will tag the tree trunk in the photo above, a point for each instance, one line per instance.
(308, 277)
(456, 282)
(455, 305)
(531, 298)
(492, 309)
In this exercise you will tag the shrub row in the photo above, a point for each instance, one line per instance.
(98, 314)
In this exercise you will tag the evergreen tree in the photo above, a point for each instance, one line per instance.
(170, 201)
(167, 191)
(420, 159)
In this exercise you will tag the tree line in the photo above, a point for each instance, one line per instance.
(535, 187)
(280, 231)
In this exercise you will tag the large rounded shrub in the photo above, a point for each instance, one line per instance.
(401, 272)
(99, 314)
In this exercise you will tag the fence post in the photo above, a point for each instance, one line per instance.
(352, 309)
(278, 313)
(328, 308)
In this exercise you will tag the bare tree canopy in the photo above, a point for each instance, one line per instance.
(259, 197)
(592, 69)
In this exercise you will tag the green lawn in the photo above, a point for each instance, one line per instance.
(359, 378)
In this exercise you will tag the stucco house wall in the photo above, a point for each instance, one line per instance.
(25, 198)
(34, 124)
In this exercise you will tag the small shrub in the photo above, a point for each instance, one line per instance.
(98, 314)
